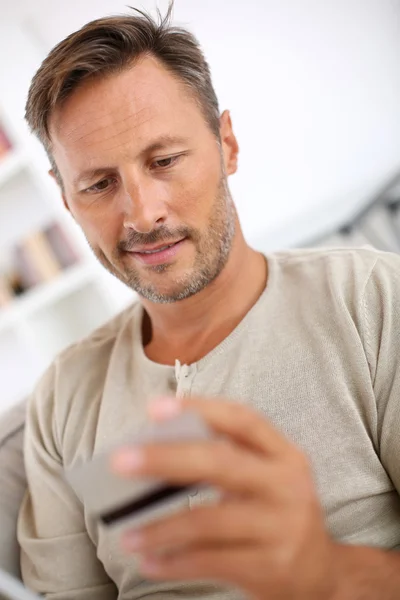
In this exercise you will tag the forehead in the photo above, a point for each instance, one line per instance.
(122, 111)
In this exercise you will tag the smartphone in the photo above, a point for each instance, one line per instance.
(114, 500)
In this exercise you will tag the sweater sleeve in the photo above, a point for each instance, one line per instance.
(58, 559)
(381, 311)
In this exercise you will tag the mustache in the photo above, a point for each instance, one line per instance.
(161, 234)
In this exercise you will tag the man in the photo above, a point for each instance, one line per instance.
(302, 345)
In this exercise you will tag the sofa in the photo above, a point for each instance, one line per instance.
(12, 485)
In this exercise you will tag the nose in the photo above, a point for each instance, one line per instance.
(144, 205)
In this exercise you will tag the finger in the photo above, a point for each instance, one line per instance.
(216, 462)
(242, 567)
(235, 420)
(234, 524)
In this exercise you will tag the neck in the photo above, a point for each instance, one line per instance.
(189, 329)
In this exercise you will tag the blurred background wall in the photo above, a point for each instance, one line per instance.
(314, 91)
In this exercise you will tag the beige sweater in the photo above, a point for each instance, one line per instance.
(318, 354)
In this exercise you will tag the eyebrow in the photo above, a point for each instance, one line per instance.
(161, 143)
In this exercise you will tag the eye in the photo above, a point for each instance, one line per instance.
(101, 186)
(165, 163)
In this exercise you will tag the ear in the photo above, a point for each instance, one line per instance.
(54, 176)
(230, 146)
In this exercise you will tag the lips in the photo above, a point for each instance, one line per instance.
(157, 249)
(157, 255)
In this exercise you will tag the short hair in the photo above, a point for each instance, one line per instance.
(109, 46)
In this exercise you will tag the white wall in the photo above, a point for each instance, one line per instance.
(314, 90)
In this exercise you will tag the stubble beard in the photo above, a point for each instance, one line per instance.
(212, 250)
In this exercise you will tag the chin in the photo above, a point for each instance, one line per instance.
(164, 294)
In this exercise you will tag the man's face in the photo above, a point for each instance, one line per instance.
(145, 178)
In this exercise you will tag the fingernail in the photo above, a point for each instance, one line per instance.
(133, 541)
(149, 566)
(166, 407)
(128, 460)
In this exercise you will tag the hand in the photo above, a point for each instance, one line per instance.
(266, 535)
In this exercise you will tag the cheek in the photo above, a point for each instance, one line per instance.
(100, 227)
(194, 197)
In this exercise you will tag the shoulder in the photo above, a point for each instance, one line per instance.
(100, 342)
(363, 257)
(336, 284)
(70, 391)
(344, 270)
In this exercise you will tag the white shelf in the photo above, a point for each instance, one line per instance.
(38, 324)
(11, 165)
(39, 298)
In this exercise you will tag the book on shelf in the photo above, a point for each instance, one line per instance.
(6, 292)
(35, 261)
(38, 259)
(5, 144)
(61, 246)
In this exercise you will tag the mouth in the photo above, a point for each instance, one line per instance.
(156, 255)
